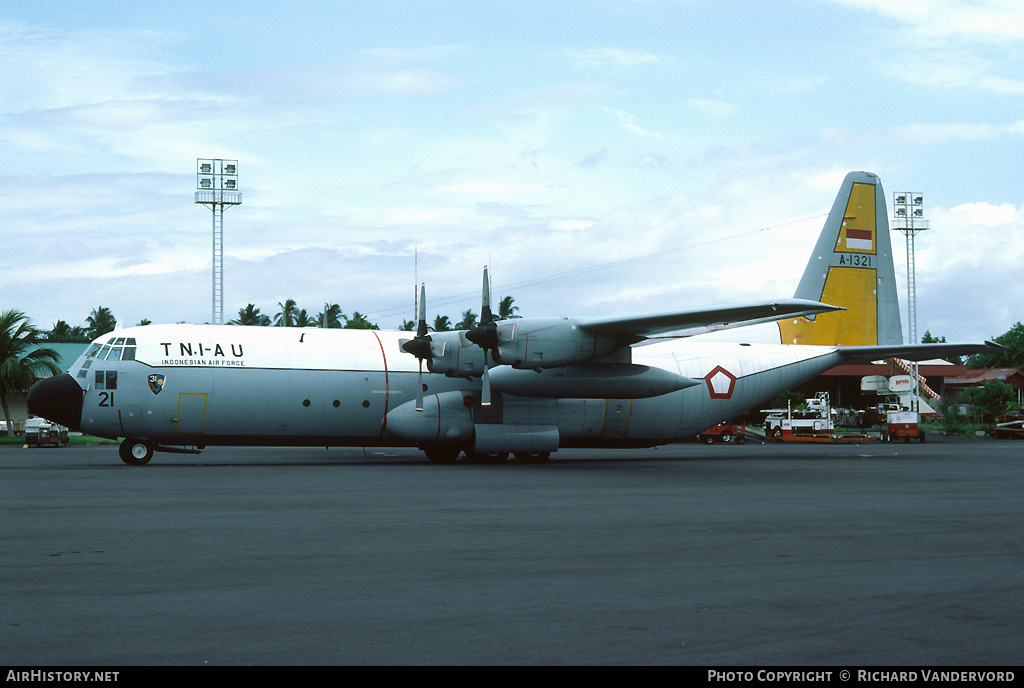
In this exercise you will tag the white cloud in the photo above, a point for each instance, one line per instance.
(711, 107)
(987, 215)
(611, 57)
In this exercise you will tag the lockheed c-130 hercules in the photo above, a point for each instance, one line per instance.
(527, 386)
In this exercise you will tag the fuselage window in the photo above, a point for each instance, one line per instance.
(111, 379)
(100, 378)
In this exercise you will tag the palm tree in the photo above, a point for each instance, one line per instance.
(101, 321)
(358, 321)
(61, 330)
(506, 311)
(331, 316)
(250, 315)
(286, 316)
(408, 326)
(442, 323)
(21, 359)
(468, 321)
(302, 319)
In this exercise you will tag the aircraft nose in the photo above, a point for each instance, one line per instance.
(57, 399)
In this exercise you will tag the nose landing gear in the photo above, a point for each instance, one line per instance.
(135, 452)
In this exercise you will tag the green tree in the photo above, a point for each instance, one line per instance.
(468, 321)
(793, 397)
(331, 316)
(408, 326)
(302, 319)
(990, 399)
(442, 323)
(1012, 355)
(507, 311)
(358, 321)
(61, 330)
(100, 321)
(22, 360)
(286, 315)
(929, 338)
(250, 315)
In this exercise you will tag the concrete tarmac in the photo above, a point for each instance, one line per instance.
(760, 555)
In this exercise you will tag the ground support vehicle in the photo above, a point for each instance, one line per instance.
(40, 432)
(724, 433)
(903, 425)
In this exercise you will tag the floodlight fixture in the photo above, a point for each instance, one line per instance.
(217, 184)
(908, 208)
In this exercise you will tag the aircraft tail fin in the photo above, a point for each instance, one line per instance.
(851, 267)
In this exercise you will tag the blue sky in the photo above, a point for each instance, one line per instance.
(602, 157)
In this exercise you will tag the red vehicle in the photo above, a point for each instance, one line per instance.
(903, 425)
(724, 433)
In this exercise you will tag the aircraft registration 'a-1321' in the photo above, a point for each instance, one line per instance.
(527, 386)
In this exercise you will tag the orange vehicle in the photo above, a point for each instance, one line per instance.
(725, 433)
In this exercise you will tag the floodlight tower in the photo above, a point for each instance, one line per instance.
(909, 210)
(217, 184)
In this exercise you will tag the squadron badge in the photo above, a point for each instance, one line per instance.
(156, 382)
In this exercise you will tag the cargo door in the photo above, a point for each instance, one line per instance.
(191, 413)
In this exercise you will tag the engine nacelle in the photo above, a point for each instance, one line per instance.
(531, 343)
(454, 355)
(549, 343)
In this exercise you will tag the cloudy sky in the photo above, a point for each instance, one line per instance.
(603, 157)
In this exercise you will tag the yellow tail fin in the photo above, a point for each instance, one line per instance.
(851, 266)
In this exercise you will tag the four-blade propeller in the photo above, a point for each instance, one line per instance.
(420, 346)
(485, 335)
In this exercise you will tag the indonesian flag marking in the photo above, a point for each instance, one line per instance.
(859, 239)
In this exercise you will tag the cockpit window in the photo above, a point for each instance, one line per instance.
(116, 349)
(106, 379)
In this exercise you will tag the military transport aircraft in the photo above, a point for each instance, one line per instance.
(527, 386)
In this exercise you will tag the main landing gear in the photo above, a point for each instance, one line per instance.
(135, 452)
(444, 454)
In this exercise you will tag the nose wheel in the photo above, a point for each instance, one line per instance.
(135, 452)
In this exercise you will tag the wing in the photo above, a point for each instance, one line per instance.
(724, 317)
(915, 352)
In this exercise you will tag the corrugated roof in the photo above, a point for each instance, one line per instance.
(68, 352)
(977, 376)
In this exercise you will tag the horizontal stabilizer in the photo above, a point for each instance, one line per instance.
(916, 352)
(724, 317)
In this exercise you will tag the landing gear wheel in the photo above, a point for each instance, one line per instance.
(533, 457)
(441, 454)
(135, 452)
(487, 457)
